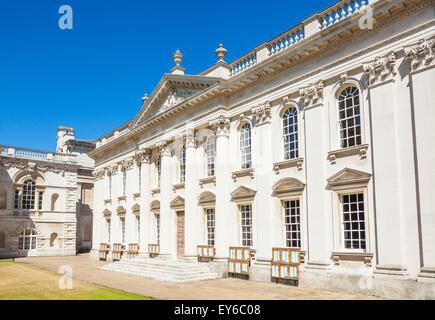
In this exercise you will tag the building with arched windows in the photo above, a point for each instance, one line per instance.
(46, 199)
(319, 139)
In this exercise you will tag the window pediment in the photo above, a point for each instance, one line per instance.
(348, 177)
(243, 194)
(155, 205)
(177, 203)
(287, 186)
(107, 214)
(206, 198)
(136, 209)
(121, 211)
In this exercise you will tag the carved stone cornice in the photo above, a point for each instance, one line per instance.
(99, 174)
(221, 125)
(420, 55)
(262, 113)
(165, 147)
(382, 69)
(312, 94)
(32, 166)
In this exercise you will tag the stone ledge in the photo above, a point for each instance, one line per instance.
(390, 269)
(427, 272)
(361, 150)
(298, 162)
(242, 173)
(337, 257)
(155, 191)
(178, 186)
(207, 180)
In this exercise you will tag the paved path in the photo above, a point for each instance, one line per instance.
(221, 289)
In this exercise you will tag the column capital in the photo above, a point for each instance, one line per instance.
(189, 138)
(165, 147)
(262, 113)
(221, 125)
(143, 156)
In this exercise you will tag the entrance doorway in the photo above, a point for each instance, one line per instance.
(180, 233)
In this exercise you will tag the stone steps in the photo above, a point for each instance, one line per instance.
(163, 269)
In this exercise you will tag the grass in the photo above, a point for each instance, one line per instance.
(23, 282)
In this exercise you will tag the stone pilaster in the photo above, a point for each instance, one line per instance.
(223, 175)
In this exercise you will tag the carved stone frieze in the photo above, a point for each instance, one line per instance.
(421, 54)
(382, 69)
(262, 113)
(312, 94)
(221, 125)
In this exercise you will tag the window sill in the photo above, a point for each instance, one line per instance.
(136, 195)
(337, 257)
(178, 186)
(298, 162)
(108, 201)
(122, 198)
(207, 180)
(242, 173)
(361, 150)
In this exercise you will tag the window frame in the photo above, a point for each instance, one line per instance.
(182, 167)
(245, 150)
(299, 199)
(240, 205)
(211, 241)
(339, 92)
(284, 135)
(211, 156)
(33, 240)
(25, 198)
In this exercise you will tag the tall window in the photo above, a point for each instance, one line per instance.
(17, 199)
(245, 146)
(110, 187)
(3, 198)
(210, 226)
(210, 150)
(28, 195)
(157, 227)
(27, 240)
(124, 181)
(353, 221)
(183, 164)
(140, 177)
(246, 223)
(138, 228)
(123, 230)
(40, 198)
(349, 117)
(290, 134)
(108, 229)
(292, 224)
(159, 170)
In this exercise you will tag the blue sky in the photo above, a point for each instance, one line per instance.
(91, 78)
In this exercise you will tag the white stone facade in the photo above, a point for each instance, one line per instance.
(42, 208)
(358, 188)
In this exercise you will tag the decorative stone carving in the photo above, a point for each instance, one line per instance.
(165, 147)
(421, 54)
(221, 52)
(143, 156)
(221, 125)
(126, 164)
(312, 94)
(98, 175)
(111, 170)
(262, 113)
(189, 138)
(176, 95)
(381, 68)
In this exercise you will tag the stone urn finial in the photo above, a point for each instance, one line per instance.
(221, 52)
(145, 98)
(177, 57)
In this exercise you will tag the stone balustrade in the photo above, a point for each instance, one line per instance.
(318, 22)
(340, 11)
(36, 154)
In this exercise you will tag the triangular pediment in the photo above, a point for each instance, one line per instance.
(287, 185)
(243, 193)
(349, 176)
(172, 90)
(155, 205)
(178, 202)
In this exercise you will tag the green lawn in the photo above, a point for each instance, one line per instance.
(23, 282)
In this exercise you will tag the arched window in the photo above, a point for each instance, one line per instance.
(54, 201)
(124, 181)
(210, 150)
(2, 199)
(245, 146)
(182, 164)
(349, 117)
(290, 134)
(27, 240)
(159, 170)
(28, 195)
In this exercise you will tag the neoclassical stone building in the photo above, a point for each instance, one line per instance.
(319, 139)
(46, 198)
